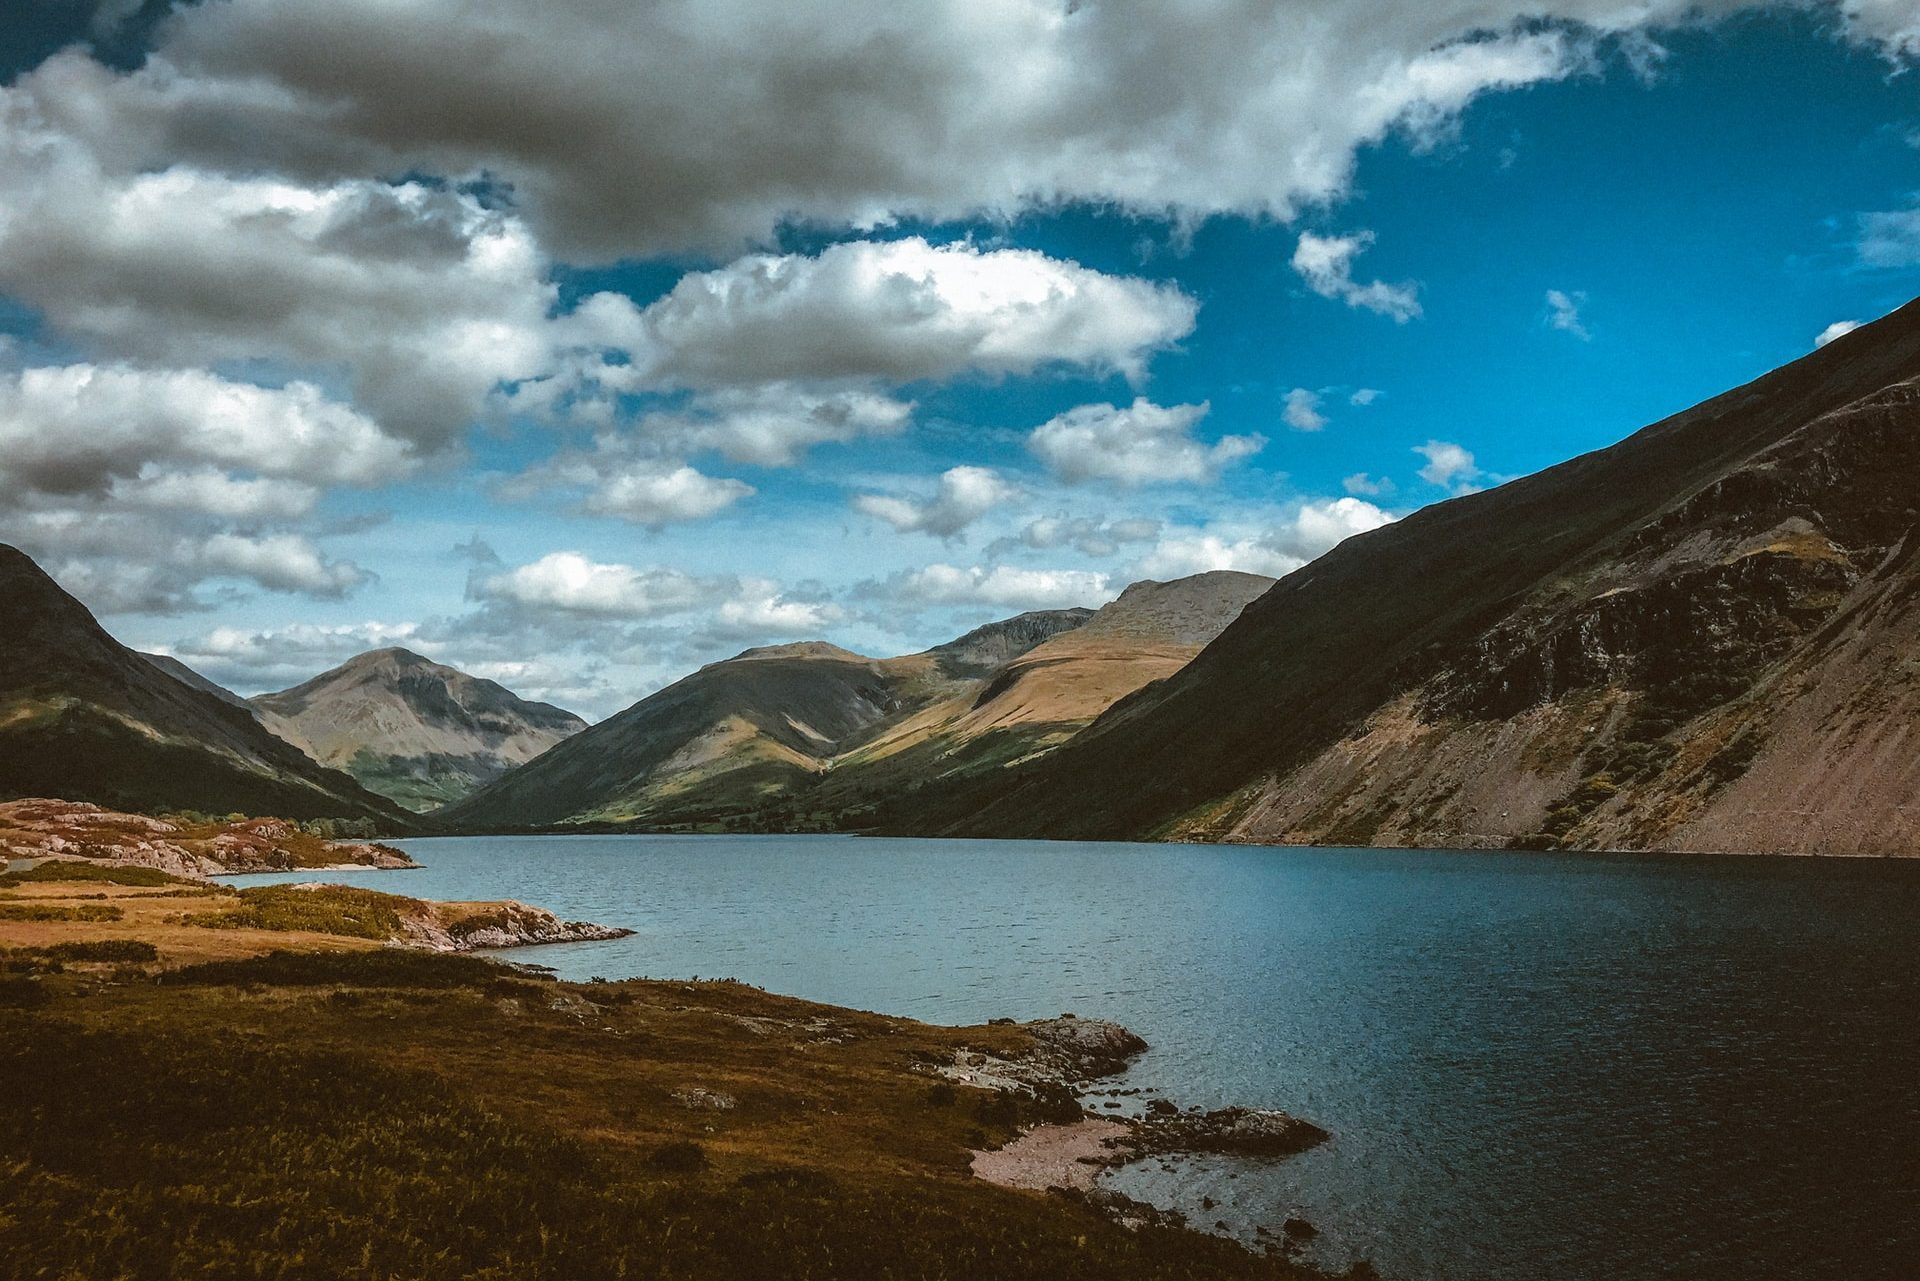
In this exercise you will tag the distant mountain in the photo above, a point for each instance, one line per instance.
(84, 718)
(810, 735)
(186, 675)
(1037, 700)
(1702, 638)
(739, 736)
(411, 729)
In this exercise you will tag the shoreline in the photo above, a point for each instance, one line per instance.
(813, 1126)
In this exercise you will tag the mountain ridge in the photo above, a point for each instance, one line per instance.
(1279, 730)
(84, 718)
(417, 731)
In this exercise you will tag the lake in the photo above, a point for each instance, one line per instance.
(1533, 1065)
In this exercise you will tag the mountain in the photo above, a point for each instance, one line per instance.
(411, 729)
(742, 734)
(187, 676)
(1701, 638)
(84, 718)
(799, 736)
(1036, 700)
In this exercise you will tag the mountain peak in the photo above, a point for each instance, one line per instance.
(413, 729)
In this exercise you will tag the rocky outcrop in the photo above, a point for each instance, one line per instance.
(1046, 1078)
(473, 927)
(39, 828)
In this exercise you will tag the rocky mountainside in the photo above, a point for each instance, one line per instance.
(411, 729)
(1702, 638)
(84, 718)
(810, 735)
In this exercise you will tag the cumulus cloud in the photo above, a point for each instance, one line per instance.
(896, 311)
(773, 425)
(1890, 238)
(632, 130)
(656, 494)
(138, 486)
(419, 298)
(569, 583)
(1563, 313)
(1448, 465)
(253, 660)
(1000, 586)
(761, 611)
(1139, 444)
(1302, 412)
(1367, 486)
(1088, 537)
(81, 429)
(964, 496)
(1364, 396)
(1838, 329)
(1326, 264)
(1276, 548)
(1894, 25)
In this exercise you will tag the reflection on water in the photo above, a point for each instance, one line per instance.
(1533, 1065)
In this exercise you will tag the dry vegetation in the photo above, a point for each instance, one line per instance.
(260, 1102)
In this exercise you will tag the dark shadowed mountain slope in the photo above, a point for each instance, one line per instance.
(411, 729)
(82, 717)
(187, 676)
(1703, 637)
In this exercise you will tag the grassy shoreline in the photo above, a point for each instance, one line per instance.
(260, 1102)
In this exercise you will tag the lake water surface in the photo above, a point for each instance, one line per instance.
(1556, 1068)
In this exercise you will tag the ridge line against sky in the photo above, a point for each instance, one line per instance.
(579, 345)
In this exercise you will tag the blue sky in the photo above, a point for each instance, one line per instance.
(589, 390)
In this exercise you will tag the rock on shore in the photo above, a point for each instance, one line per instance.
(469, 927)
(1068, 1153)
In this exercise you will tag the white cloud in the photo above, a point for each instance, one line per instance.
(571, 584)
(965, 495)
(656, 494)
(279, 562)
(1838, 329)
(1367, 486)
(1890, 238)
(1326, 264)
(1892, 24)
(1302, 412)
(1364, 396)
(1274, 549)
(1563, 313)
(1088, 537)
(419, 298)
(1001, 586)
(896, 311)
(632, 130)
(1140, 444)
(772, 426)
(761, 611)
(276, 657)
(1448, 465)
(82, 428)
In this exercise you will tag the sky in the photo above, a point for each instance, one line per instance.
(580, 343)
